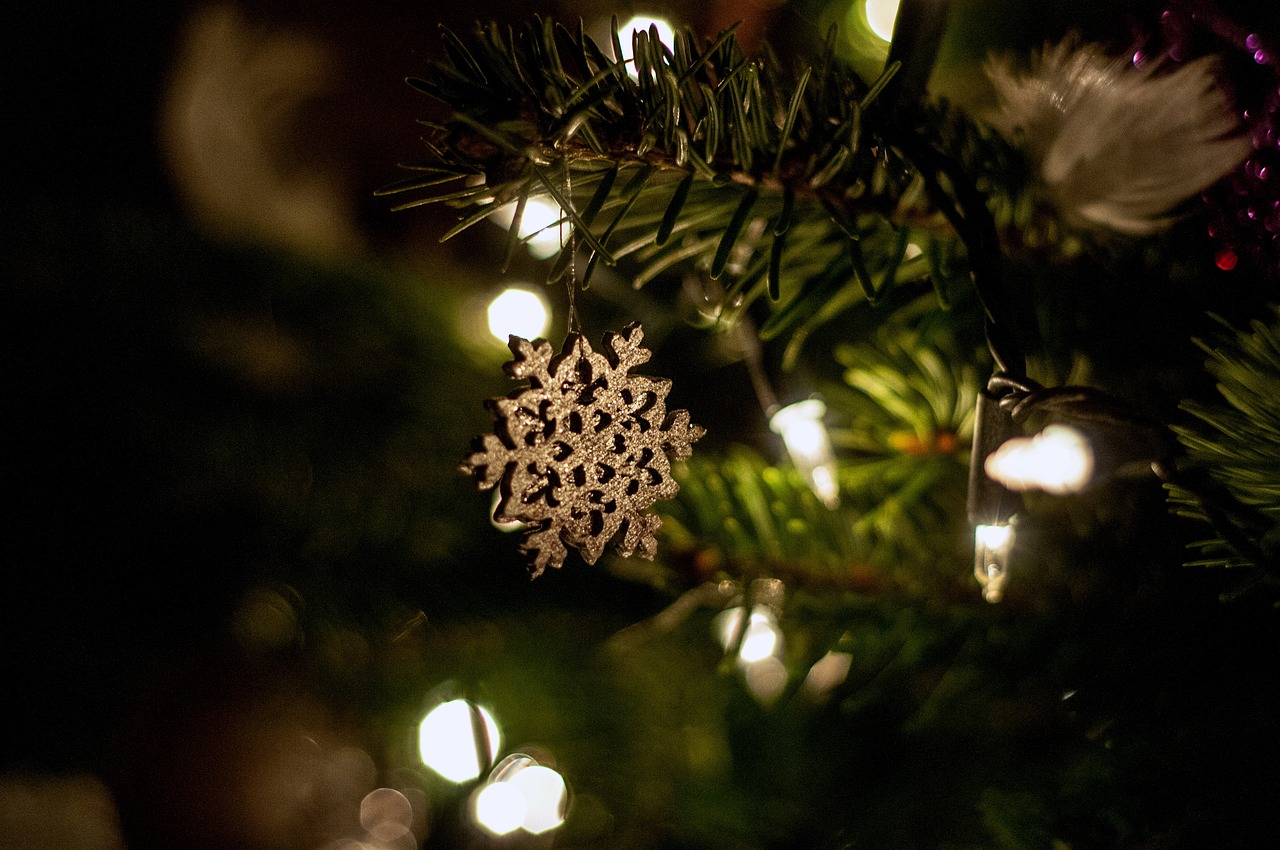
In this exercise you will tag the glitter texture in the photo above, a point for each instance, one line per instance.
(583, 452)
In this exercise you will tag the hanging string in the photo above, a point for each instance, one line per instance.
(571, 279)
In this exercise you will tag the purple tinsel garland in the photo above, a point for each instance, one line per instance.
(1244, 207)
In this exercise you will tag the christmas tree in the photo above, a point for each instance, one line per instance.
(890, 427)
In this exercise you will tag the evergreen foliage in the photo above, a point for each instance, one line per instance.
(1233, 447)
(805, 185)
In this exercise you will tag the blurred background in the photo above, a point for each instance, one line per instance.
(241, 565)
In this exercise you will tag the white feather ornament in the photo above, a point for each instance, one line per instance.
(1118, 146)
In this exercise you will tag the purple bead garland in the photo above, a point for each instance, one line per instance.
(1244, 207)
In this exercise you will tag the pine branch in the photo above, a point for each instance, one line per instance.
(1233, 448)
(787, 183)
(907, 390)
(739, 516)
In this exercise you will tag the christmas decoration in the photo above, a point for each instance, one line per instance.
(1244, 209)
(244, 550)
(585, 450)
(1118, 146)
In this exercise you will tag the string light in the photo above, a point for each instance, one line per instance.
(540, 224)
(545, 797)
(666, 34)
(826, 674)
(992, 544)
(1058, 460)
(881, 15)
(803, 433)
(752, 631)
(521, 794)
(500, 808)
(517, 311)
(453, 744)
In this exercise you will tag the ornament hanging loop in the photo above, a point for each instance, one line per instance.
(571, 279)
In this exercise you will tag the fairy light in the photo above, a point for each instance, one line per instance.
(453, 744)
(758, 639)
(666, 34)
(760, 636)
(507, 526)
(540, 224)
(521, 794)
(519, 312)
(803, 433)
(1058, 460)
(826, 674)
(500, 808)
(881, 15)
(992, 544)
(545, 795)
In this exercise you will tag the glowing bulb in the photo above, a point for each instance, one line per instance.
(992, 544)
(502, 525)
(826, 673)
(1058, 460)
(386, 814)
(761, 637)
(500, 808)
(449, 745)
(540, 223)
(666, 34)
(805, 436)
(519, 312)
(881, 15)
(766, 679)
(544, 794)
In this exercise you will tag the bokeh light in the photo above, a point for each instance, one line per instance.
(540, 224)
(1058, 460)
(386, 815)
(666, 34)
(992, 545)
(517, 311)
(809, 446)
(760, 638)
(545, 795)
(881, 16)
(500, 808)
(827, 673)
(449, 744)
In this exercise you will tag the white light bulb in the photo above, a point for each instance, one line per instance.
(1058, 460)
(761, 638)
(803, 433)
(993, 537)
(544, 794)
(447, 740)
(666, 34)
(540, 223)
(826, 673)
(502, 525)
(500, 808)
(519, 312)
(992, 544)
(766, 679)
(881, 15)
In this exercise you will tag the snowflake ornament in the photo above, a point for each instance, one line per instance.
(584, 451)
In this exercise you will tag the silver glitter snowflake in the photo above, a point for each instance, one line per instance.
(584, 451)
